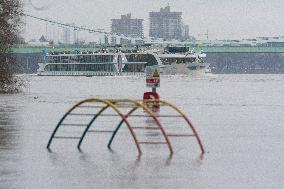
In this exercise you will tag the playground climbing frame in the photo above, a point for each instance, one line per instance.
(118, 105)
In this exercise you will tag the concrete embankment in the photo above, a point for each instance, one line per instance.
(253, 63)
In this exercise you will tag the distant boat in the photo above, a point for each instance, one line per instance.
(184, 63)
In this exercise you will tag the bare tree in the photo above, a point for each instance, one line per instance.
(11, 13)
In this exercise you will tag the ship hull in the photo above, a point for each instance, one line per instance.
(185, 69)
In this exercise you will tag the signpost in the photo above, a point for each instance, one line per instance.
(152, 77)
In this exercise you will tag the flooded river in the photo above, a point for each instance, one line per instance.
(239, 119)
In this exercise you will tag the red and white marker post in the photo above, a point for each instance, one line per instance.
(152, 81)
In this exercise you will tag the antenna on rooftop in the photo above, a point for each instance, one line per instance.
(207, 34)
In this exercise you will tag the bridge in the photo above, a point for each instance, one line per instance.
(206, 49)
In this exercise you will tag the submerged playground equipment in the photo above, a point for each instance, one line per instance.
(129, 107)
(112, 114)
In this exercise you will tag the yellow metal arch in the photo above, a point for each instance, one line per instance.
(108, 104)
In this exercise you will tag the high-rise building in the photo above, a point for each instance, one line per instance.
(66, 36)
(125, 41)
(127, 26)
(75, 33)
(106, 40)
(70, 34)
(113, 40)
(184, 32)
(166, 24)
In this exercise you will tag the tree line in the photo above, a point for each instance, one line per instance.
(11, 12)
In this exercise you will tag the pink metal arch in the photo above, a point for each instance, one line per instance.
(150, 113)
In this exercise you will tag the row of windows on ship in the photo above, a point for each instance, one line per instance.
(150, 59)
(94, 67)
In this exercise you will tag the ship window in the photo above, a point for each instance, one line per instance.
(149, 58)
(85, 67)
(65, 59)
(134, 68)
(101, 58)
(74, 59)
(166, 61)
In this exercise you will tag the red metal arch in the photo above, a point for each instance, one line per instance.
(165, 103)
(149, 112)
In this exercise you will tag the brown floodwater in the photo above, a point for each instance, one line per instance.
(238, 117)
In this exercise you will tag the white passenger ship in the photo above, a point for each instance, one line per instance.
(120, 63)
(178, 60)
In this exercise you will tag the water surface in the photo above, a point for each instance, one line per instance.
(239, 118)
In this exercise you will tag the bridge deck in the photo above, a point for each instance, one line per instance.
(205, 49)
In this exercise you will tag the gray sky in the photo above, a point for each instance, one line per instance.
(224, 19)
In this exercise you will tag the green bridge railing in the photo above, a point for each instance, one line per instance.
(206, 49)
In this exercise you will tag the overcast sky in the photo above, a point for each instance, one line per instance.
(224, 19)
